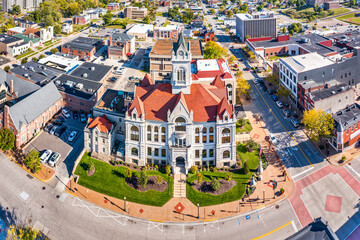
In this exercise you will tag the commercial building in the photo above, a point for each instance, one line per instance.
(319, 69)
(27, 5)
(347, 128)
(140, 31)
(135, 12)
(67, 28)
(25, 23)
(256, 25)
(81, 20)
(181, 123)
(83, 47)
(113, 6)
(27, 116)
(168, 32)
(15, 30)
(92, 71)
(121, 46)
(60, 62)
(160, 57)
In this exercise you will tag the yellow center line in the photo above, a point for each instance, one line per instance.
(282, 125)
(277, 229)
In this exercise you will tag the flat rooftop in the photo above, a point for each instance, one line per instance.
(61, 63)
(258, 15)
(77, 86)
(36, 72)
(165, 46)
(114, 101)
(4, 38)
(310, 42)
(83, 44)
(91, 71)
(351, 39)
(329, 92)
(306, 62)
(140, 28)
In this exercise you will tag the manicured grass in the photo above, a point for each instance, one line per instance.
(25, 54)
(235, 193)
(347, 16)
(355, 20)
(337, 11)
(246, 128)
(110, 181)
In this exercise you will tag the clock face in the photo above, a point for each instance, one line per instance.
(181, 53)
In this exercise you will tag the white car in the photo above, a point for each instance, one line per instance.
(53, 130)
(279, 104)
(66, 113)
(273, 139)
(72, 136)
(54, 159)
(45, 156)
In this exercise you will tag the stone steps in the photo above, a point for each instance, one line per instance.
(179, 185)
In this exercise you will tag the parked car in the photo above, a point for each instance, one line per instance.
(286, 113)
(53, 130)
(72, 136)
(75, 115)
(66, 113)
(256, 81)
(60, 131)
(61, 118)
(270, 92)
(57, 122)
(294, 122)
(273, 139)
(82, 117)
(279, 104)
(45, 156)
(48, 127)
(54, 159)
(274, 97)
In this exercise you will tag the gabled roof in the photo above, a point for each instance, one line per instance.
(146, 81)
(138, 105)
(224, 106)
(181, 98)
(31, 107)
(32, 31)
(218, 82)
(102, 123)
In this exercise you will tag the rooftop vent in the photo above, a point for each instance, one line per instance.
(332, 92)
(57, 82)
(79, 86)
(26, 75)
(85, 75)
(69, 83)
(92, 68)
(339, 113)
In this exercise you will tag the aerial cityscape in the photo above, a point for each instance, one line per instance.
(180, 119)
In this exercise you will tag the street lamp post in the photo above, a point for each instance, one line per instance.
(198, 211)
(125, 204)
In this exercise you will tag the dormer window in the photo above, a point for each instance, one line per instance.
(226, 118)
(134, 115)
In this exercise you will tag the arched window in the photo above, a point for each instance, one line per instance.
(134, 152)
(180, 75)
(149, 133)
(134, 115)
(226, 136)
(211, 135)
(226, 154)
(156, 134)
(134, 132)
(197, 135)
(180, 124)
(204, 135)
(163, 134)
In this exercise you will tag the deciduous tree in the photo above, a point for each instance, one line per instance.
(283, 91)
(7, 139)
(318, 123)
(32, 161)
(213, 50)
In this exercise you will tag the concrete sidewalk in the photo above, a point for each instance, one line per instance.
(263, 191)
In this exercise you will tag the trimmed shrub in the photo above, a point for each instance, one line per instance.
(215, 184)
(199, 177)
(193, 169)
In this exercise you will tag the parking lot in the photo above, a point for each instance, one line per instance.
(46, 141)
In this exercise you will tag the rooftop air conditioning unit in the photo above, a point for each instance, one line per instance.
(79, 86)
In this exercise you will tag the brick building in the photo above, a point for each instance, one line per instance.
(83, 47)
(81, 20)
(168, 32)
(113, 6)
(121, 46)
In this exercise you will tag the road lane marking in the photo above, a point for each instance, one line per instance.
(296, 175)
(283, 125)
(352, 169)
(275, 230)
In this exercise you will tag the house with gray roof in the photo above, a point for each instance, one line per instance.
(121, 45)
(26, 117)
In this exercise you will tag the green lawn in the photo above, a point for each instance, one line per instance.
(235, 193)
(338, 11)
(110, 181)
(347, 16)
(246, 128)
(25, 54)
(356, 20)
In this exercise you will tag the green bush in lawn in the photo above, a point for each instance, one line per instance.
(193, 169)
(143, 179)
(246, 168)
(199, 177)
(128, 173)
(215, 184)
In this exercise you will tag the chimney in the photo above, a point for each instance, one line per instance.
(6, 116)
(11, 87)
(110, 40)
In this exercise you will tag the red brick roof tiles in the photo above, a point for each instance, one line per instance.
(102, 123)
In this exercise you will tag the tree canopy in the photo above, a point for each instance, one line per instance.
(318, 123)
(7, 139)
(32, 161)
(213, 50)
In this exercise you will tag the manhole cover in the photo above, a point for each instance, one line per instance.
(43, 188)
(277, 206)
(349, 163)
(57, 196)
(29, 176)
(42, 206)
